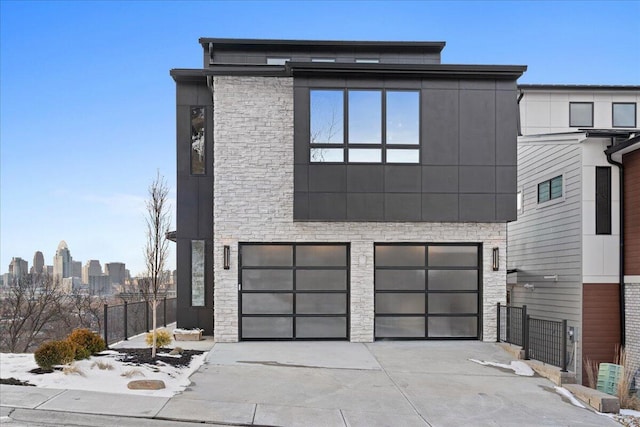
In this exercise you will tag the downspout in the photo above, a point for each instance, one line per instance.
(621, 256)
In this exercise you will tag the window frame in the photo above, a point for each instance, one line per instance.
(580, 125)
(204, 142)
(551, 200)
(603, 201)
(613, 115)
(383, 146)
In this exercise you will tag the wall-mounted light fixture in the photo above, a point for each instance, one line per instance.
(227, 257)
(496, 259)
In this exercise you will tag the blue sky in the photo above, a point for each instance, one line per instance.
(87, 105)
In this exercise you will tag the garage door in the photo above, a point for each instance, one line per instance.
(427, 291)
(294, 291)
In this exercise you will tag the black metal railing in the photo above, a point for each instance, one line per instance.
(543, 340)
(132, 318)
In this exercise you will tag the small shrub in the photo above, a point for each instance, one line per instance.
(72, 369)
(87, 343)
(163, 338)
(132, 373)
(53, 353)
(104, 366)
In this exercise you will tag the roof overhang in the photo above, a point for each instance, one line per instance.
(616, 151)
(321, 69)
(323, 45)
(565, 87)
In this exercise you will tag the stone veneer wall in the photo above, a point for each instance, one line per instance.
(632, 322)
(253, 202)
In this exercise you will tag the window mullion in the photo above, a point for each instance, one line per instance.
(383, 135)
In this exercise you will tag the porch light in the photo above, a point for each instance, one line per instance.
(227, 257)
(496, 259)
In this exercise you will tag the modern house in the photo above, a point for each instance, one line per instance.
(564, 251)
(343, 190)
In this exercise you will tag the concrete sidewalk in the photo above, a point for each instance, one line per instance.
(394, 383)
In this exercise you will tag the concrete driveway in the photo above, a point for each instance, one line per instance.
(394, 383)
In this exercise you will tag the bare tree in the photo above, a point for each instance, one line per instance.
(31, 311)
(156, 249)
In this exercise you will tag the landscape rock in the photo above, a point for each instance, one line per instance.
(177, 350)
(146, 385)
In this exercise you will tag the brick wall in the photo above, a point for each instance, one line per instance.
(253, 202)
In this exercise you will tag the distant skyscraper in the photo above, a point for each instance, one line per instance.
(76, 269)
(38, 263)
(62, 262)
(116, 272)
(92, 268)
(18, 267)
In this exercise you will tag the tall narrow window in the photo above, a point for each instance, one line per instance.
(581, 114)
(327, 128)
(603, 200)
(197, 273)
(197, 141)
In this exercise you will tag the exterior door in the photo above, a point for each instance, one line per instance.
(425, 291)
(294, 291)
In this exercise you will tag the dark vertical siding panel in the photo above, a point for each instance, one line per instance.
(600, 322)
(631, 164)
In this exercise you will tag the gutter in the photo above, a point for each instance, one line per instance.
(621, 255)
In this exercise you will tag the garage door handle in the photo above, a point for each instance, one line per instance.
(239, 287)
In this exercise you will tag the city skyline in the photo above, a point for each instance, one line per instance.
(87, 105)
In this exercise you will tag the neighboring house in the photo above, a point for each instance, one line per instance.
(343, 190)
(564, 249)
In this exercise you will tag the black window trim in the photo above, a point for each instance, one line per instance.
(383, 146)
(635, 114)
(580, 125)
(550, 200)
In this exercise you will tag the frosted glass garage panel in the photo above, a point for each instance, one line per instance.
(453, 327)
(453, 256)
(321, 303)
(321, 256)
(396, 280)
(405, 303)
(267, 303)
(400, 327)
(267, 327)
(453, 303)
(399, 256)
(267, 280)
(453, 280)
(267, 256)
(321, 280)
(321, 327)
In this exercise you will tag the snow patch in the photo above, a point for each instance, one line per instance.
(566, 393)
(105, 380)
(519, 368)
(630, 412)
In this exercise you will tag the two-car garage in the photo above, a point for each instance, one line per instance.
(297, 291)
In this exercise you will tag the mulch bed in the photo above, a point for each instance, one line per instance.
(142, 356)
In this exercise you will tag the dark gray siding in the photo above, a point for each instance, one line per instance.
(468, 158)
(194, 215)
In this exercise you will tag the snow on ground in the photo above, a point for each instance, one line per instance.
(566, 393)
(520, 368)
(87, 375)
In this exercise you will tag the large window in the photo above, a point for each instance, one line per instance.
(364, 126)
(550, 189)
(624, 114)
(581, 114)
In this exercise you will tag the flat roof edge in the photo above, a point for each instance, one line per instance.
(577, 86)
(230, 42)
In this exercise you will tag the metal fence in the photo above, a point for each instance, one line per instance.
(132, 318)
(543, 340)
